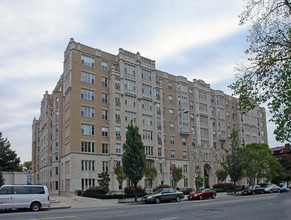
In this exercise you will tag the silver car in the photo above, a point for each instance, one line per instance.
(164, 194)
(272, 188)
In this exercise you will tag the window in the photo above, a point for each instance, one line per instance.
(159, 123)
(158, 95)
(172, 154)
(171, 124)
(57, 101)
(192, 130)
(147, 135)
(171, 112)
(191, 92)
(88, 112)
(87, 94)
(87, 183)
(104, 114)
(149, 150)
(184, 141)
(185, 183)
(104, 98)
(214, 134)
(203, 95)
(191, 104)
(146, 74)
(130, 116)
(170, 99)
(104, 81)
(88, 147)
(117, 116)
(105, 149)
(104, 132)
(185, 157)
(57, 142)
(170, 85)
(118, 148)
(172, 140)
(204, 120)
(104, 66)
(146, 89)
(129, 101)
(129, 85)
(87, 129)
(87, 61)
(56, 171)
(204, 132)
(159, 152)
(117, 99)
(158, 108)
(105, 166)
(117, 132)
(192, 117)
(117, 84)
(87, 77)
(203, 107)
(227, 114)
(148, 183)
(159, 138)
(87, 165)
(146, 104)
(129, 69)
(193, 142)
(147, 119)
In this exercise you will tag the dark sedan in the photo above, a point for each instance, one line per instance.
(164, 194)
(203, 194)
(254, 189)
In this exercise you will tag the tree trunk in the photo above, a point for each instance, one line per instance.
(135, 192)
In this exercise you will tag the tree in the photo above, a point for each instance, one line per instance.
(151, 173)
(177, 174)
(133, 158)
(199, 180)
(27, 165)
(104, 179)
(221, 175)
(266, 75)
(259, 163)
(120, 176)
(234, 163)
(8, 158)
(1, 179)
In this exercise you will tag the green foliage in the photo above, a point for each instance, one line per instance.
(1, 179)
(221, 175)
(8, 158)
(177, 174)
(95, 191)
(234, 163)
(224, 187)
(104, 179)
(129, 190)
(151, 173)
(259, 163)
(27, 165)
(133, 158)
(118, 171)
(285, 162)
(266, 76)
(199, 180)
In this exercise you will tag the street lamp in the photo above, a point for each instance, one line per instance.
(170, 148)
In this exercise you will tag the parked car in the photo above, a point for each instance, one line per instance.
(203, 194)
(284, 188)
(164, 194)
(254, 189)
(32, 197)
(271, 188)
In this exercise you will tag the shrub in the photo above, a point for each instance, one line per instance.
(161, 186)
(226, 187)
(129, 190)
(187, 191)
(96, 190)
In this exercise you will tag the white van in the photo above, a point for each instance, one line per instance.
(32, 197)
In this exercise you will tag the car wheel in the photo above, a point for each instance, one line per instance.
(213, 196)
(254, 192)
(178, 199)
(35, 206)
(200, 197)
(157, 200)
(262, 192)
(271, 191)
(244, 193)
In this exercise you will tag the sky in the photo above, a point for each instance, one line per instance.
(195, 39)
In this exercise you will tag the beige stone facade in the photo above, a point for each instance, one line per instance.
(83, 122)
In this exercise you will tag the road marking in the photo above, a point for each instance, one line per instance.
(239, 200)
(52, 218)
(169, 218)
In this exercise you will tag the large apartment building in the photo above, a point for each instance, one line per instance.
(82, 124)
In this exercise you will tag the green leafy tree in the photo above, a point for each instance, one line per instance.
(259, 163)
(27, 165)
(8, 158)
(120, 175)
(199, 180)
(104, 179)
(234, 163)
(151, 173)
(266, 75)
(133, 158)
(177, 174)
(221, 175)
(286, 164)
(1, 179)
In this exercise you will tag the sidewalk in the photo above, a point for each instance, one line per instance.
(72, 201)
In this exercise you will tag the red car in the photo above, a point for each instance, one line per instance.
(203, 194)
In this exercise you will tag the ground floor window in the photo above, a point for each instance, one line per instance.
(87, 183)
(148, 183)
